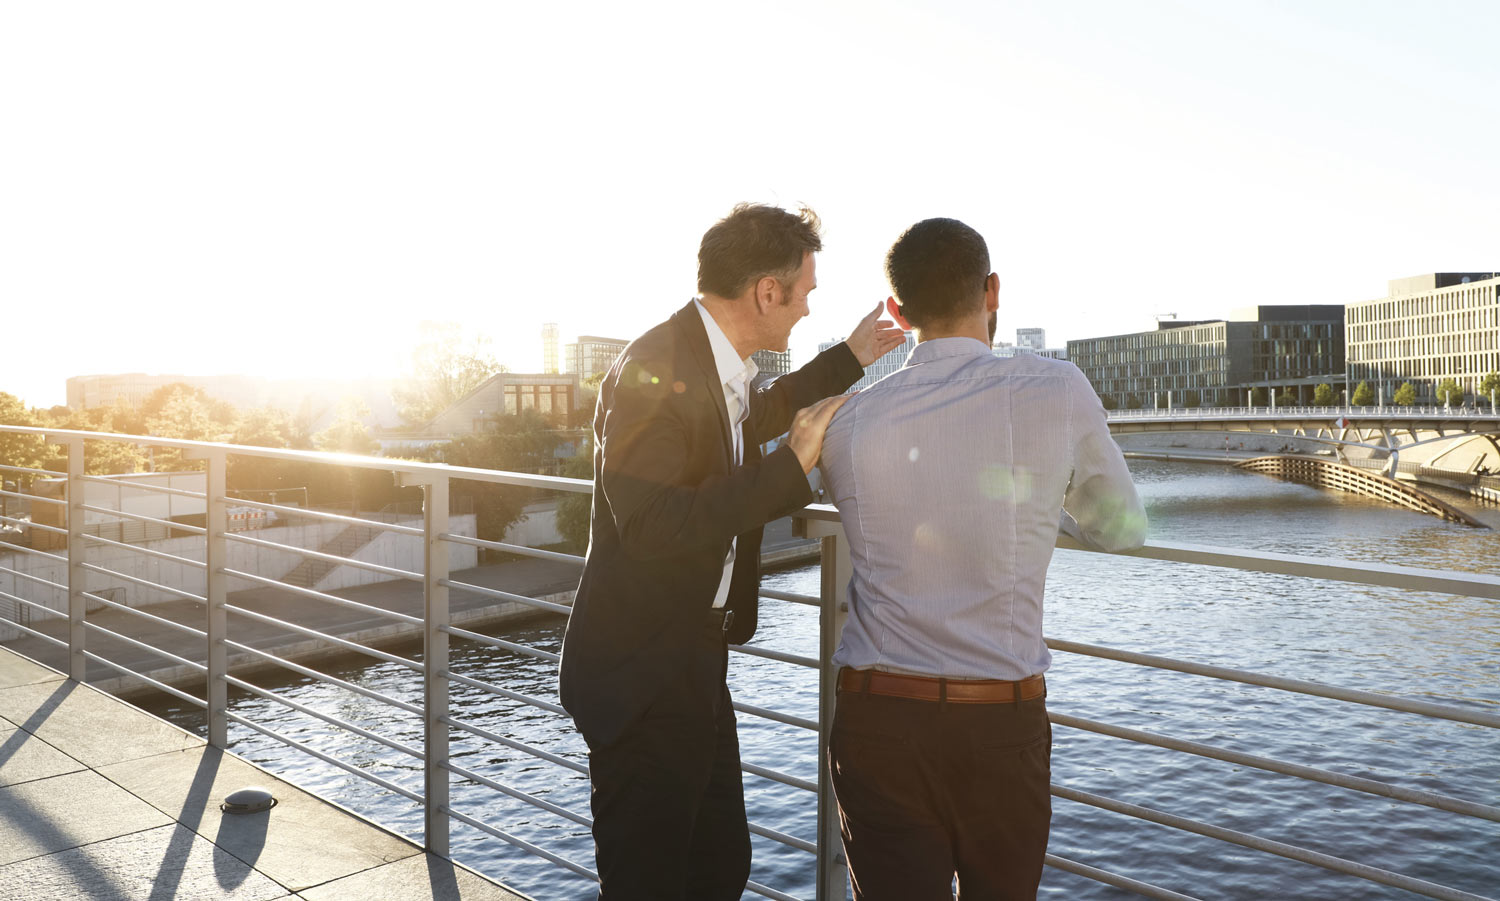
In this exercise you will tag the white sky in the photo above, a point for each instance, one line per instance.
(288, 188)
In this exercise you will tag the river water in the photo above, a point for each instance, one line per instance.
(1430, 646)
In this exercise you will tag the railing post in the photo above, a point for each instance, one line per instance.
(77, 603)
(434, 658)
(216, 559)
(833, 867)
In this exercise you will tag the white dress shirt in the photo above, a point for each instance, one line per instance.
(735, 374)
(951, 475)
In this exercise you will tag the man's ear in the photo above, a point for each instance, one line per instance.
(895, 310)
(992, 293)
(767, 293)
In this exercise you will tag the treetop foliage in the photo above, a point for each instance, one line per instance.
(445, 366)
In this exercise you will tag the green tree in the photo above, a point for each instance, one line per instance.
(444, 368)
(1323, 396)
(27, 451)
(573, 509)
(516, 443)
(1406, 395)
(1257, 397)
(347, 434)
(1490, 386)
(1448, 392)
(1108, 402)
(1364, 395)
(1132, 402)
(1192, 399)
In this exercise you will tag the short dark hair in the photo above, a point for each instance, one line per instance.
(937, 270)
(752, 242)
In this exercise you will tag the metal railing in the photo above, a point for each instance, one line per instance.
(219, 637)
(1281, 411)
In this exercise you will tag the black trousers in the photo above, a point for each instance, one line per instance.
(668, 799)
(929, 790)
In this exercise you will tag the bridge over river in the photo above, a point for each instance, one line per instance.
(1456, 448)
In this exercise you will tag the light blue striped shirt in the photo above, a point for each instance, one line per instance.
(951, 475)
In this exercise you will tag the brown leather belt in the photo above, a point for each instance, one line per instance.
(929, 688)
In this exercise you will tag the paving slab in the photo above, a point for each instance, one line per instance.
(301, 842)
(67, 811)
(421, 878)
(90, 726)
(24, 757)
(16, 670)
(162, 863)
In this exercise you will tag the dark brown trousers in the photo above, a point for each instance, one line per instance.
(930, 791)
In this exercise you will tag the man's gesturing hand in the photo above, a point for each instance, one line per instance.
(808, 427)
(874, 337)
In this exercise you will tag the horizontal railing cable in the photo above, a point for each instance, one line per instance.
(806, 600)
(154, 683)
(35, 472)
(152, 617)
(323, 596)
(31, 605)
(1281, 849)
(524, 845)
(518, 794)
(320, 555)
(324, 636)
(1115, 879)
(325, 678)
(758, 651)
(146, 486)
(173, 558)
(304, 512)
(493, 689)
(791, 841)
(499, 595)
(34, 633)
(1298, 686)
(359, 771)
(777, 776)
(149, 648)
(514, 745)
(519, 550)
(30, 524)
(768, 892)
(1313, 774)
(331, 720)
(491, 641)
(6, 570)
(144, 583)
(56, 502)
(141, 517)
(776, 715)
(33, 552)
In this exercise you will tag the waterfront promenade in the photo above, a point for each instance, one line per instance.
(99, 800)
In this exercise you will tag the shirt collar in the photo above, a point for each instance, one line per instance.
(938, 348)
(726, 359)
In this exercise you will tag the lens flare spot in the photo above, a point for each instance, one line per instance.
(926, 537)
(996, 483)
(655, 380)
(679, 387)
(912, 455)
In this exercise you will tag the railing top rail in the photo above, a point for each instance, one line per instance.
(410, 467)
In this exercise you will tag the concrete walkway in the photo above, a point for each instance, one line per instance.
(99, 800)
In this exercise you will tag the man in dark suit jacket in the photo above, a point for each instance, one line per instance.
(681, 494)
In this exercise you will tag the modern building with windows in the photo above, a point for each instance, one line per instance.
(1428, 329)
(771, 364)
(551, 337)
(1282, 348)
(881, 367)
(591, 355)
(554, 395)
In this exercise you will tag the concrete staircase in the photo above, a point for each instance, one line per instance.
(345, 544)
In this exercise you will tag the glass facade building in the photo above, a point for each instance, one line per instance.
(1430, 328)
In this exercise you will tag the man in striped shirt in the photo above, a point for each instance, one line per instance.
(953, 476)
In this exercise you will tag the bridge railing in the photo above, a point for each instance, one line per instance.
(1389, 411)
(421, 723)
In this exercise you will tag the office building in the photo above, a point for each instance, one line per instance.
(771, 364)
(591, 355)
(1429, 328)
(881, 367)
(1281, 348)
(551, 337)
(554, 395)
(1031, 338)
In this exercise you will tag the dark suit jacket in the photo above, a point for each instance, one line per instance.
(667, 502)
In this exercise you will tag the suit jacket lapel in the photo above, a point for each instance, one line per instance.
(691, 325)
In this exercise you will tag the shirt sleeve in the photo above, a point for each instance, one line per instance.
(1101, 498)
